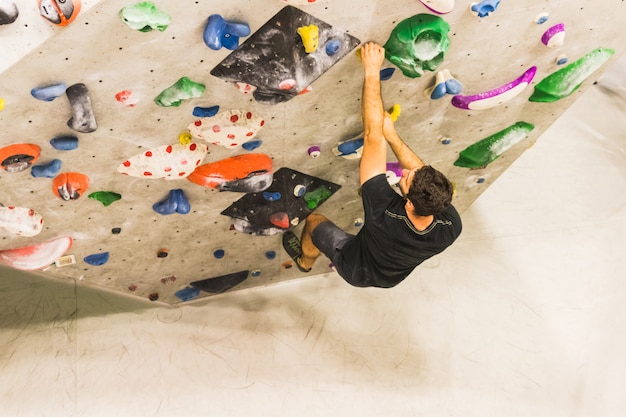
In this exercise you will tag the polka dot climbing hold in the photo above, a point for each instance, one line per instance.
(21, 221)
(70, 185)
(19, 156)
(37, 256)
(229, 128)
(170, 162)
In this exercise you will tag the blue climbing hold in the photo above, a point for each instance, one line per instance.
(97, 259)
(386, 73)
(48, 170)
(271, 196)
(485, 7)
(332, 47)
(64, 143)
(251, 144)
(205, 111)
(350, 146)
(50, 92)
(219, 253)
(187, 294)
(176, 202)
(219, 33)
(270, 254)
(453, 86)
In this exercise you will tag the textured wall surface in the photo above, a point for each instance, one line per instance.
(107, 56)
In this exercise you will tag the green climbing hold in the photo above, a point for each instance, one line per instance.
(183, 89)
(418, 43)
(145, 17)
(105, 197)
(565, 81)
(489, 149)
(317, 197)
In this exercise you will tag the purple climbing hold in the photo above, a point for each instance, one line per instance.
(176, 202)
(219, 33)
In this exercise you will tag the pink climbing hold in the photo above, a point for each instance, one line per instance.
(280, 219)
(38, 256)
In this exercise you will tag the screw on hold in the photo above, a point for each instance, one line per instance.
(255, 272)
(314, 151)
(219, 253)
(299, 190)
(162, 253)
(154, 296)
(270, 254)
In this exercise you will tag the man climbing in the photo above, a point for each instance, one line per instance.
(399, 232)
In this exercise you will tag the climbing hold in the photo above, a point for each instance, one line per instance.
(183, 89)
(64, 143)
(480, 180)
(245, 88)
(295, 221)
(386, 73)
(484, 8)
(18, 157)
(219, 33)
(542, 18)
(332, 47)
(358, 222)
(116, 230)
(487, 150)
(70, 185)
(394, 112)
(185, 138)
(299, 190)
(205, 111)
(36, 256)
(565, 81)
(248, 173)
(1, 104)
(310, 37)
(144, 17)
(444, 84)
(270, 254)
(255, 272)
(219, 253)
(314, 151)
(350, 149)
(417, 44)
(561, 59)
(97, 259)
(222, 283)
(8, 12)
(153, 296)
(49, 92)
(176, 202)
(439, 6)
(47, 170)
(126, 98)
(105, 197)
(317, 197)
(554, 36)
(393, 172)
(187, 294)
(162, 253)
(496, 96)
(280, 219)
(251, 144)
(271, 196)
(21, 221)
(445, 140)
(83, 119)
(168, 280)
(170, 162)
(287, 84)
(59, 12)
(228, 128)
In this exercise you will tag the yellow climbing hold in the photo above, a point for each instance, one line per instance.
(394, 112)
(310, 37)
(184, 138)
(1, 104)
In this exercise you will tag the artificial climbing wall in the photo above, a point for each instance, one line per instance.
(116, 141)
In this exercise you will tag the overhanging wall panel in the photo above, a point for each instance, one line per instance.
(107, 56)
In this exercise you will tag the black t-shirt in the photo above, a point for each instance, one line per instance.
(389, 247)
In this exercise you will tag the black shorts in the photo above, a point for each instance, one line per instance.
(329, 239)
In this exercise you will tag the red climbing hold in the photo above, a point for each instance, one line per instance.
(280, 219)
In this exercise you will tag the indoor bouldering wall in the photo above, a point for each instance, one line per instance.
(161, 149)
